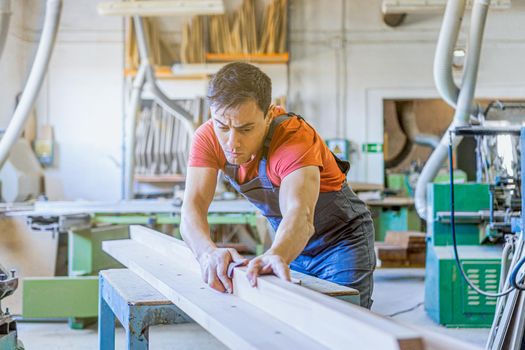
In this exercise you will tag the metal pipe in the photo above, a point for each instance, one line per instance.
(464, 104)
(448, 37)
(427, 140)
(5, 15)
(34, 81)
(409, 125)
(146, 73)
(128, 166)
(177, 111)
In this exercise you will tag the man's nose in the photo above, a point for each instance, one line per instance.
(233, 139)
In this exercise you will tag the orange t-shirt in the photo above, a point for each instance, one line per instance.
(294, 145)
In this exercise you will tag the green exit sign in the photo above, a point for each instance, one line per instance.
(372, 148)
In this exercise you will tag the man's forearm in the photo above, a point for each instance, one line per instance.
(293, 234)
(195, 231)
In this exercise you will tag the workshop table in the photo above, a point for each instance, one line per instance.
(137, 305)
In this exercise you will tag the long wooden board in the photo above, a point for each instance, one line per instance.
(330, 322)
(236, 323)
(296, 305)
(323, 318)
(161, 8)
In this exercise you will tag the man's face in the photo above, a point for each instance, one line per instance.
(240, 130)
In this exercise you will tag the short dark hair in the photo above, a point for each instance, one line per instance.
(238, 82)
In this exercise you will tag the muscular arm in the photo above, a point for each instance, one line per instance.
(198, 194)
(298, 196)
(297, 199)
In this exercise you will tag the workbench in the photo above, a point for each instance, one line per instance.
(393, 214)
(273, 315)
(137, 305)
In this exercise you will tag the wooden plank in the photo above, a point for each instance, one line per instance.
(160, 178)
(165, 245)
(161, 8)
(406, 239)
(365, 186)
(391, 252)
(236, 323)
(295, 305)
(337, 324)
(262, 57)
(322, 286)
(391, 202)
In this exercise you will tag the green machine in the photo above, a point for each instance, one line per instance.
(8, 327)
(448, 299)
(73, 293)
(393, 214)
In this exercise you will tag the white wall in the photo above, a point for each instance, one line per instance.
(85, 104)
(83, 97)
(384, 62)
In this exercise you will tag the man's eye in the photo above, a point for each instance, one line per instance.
(224, 128)
(246, 130)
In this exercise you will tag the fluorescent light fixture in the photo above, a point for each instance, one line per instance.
(161, 8)
(459, 53)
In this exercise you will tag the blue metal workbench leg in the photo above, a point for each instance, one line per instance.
(106, 322)
(137, 331)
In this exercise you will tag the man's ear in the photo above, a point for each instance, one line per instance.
(267, 118)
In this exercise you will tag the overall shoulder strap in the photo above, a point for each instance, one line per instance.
(274, 124)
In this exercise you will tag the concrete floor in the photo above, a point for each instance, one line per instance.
(402, 289)
(395, 290)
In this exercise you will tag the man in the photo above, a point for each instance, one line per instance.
(279, 163)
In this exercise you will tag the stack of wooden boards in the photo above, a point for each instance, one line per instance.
(242, 32)
(238, 33)
(192, 48)
(160, 52)
(235, 33)
(274, 315)
(402, 249)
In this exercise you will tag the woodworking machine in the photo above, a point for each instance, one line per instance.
(488, 228)
(8, 333)
(82, 226)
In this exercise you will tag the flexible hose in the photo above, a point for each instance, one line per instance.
(34, 82)
(454, 240)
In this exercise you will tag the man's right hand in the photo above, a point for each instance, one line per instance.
(214, 267)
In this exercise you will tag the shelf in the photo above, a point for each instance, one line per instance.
(160, 178)
(255, 58)
(165, 72)
(202, 71)
(161, 8)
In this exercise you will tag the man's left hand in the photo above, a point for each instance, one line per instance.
(267, 264)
